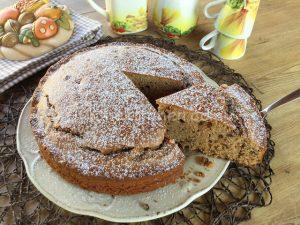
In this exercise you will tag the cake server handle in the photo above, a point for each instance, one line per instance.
(288, 98)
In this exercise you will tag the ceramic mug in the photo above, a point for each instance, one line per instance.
(125, 16)
(175, 18)
(236, 19)
(223, 46)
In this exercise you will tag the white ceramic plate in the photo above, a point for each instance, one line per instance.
(134, 208)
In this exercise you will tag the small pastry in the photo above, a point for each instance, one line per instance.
(26, 17)
(50, 11)
(27, 26)
(12, 26)
(2, 32)
(9, 40)
(27, 37)
(64, 21)
(45, 28)
(8, 13)
(1, 40)
(30, 5)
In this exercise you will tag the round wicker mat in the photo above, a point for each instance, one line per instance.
(231, 201)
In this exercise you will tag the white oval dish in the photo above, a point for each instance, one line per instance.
(134, 208)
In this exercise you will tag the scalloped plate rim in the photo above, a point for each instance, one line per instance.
(99, 215)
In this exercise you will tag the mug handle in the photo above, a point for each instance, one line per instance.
(209, 5)
(213, 36)
(98, 8)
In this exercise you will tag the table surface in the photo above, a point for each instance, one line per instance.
(272, 67)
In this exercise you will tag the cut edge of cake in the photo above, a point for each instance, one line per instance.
(155, 87)
(221, 122)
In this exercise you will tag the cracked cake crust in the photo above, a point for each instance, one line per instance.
(71, 93)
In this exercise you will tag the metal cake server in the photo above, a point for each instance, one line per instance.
(288, 98)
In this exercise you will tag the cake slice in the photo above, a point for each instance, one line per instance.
(222, 122)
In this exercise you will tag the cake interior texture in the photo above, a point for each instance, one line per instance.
(155, 87)
(215, 124)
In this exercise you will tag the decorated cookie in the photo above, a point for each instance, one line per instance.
(50, 11)
(12, 26)
(31, 28)
(64, 21)
(27, 37)
(30, 5)
(8, 13)
(2, 32)
(26, 18)
(9, 40)
(45, 28)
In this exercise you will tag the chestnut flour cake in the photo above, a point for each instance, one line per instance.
(97, 129)
(93, 117)
(220, 122)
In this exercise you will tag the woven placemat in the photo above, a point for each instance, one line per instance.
(231, 201)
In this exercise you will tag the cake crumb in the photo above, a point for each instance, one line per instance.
(199, 174)
(203, 161)
(144, 206)
(194, 180)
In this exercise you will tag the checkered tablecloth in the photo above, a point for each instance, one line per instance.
(86, 32)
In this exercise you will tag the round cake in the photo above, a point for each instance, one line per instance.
(94, 122)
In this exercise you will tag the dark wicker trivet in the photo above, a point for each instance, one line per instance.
(229, 202)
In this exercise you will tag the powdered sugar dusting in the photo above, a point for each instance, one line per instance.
(253, 124)
(211, 103)
(88, 107)
(202, 99)
(103, 108)
(127, 164)
(147, 59)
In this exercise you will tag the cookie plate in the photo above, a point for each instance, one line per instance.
(134, 208)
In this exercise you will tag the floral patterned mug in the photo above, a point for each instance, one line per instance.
(175, 18)
(236, 18)
(125, 16)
